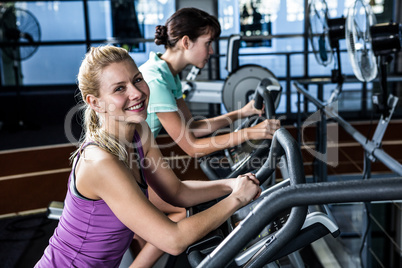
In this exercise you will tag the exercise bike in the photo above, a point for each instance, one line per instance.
(301, 225)
(250, 155)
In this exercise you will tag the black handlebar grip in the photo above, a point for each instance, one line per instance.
(259, 93)
(269, 106)
(195, 258)
(258, 101)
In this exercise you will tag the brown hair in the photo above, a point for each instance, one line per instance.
(192, 22)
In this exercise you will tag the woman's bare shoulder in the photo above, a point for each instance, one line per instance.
(95, 153)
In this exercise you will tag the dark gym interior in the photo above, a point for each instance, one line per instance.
(346, 129)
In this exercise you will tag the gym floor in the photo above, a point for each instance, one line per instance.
(23, 239)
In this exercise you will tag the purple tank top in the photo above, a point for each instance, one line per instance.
(88, 233)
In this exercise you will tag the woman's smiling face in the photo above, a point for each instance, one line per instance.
(123, 93)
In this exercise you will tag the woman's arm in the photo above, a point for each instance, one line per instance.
(174, 191)
(180, 131)
(206, 126)
(110, 180)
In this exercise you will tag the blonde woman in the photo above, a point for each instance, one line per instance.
(106, 201)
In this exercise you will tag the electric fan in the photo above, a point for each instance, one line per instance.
(20, 33)
(370, 46)
(318, 31)
(324, 35)
(358, 41)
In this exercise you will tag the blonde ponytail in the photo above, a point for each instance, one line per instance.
(89, 82)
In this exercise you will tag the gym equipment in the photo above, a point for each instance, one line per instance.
(249, 155)
(367, 41)
(242, 84)
(256, 241)
(371, 147)
(242, 81)
(296, 224)
(238, 87)
(296, 196)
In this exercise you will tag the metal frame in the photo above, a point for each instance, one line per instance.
(372, 148)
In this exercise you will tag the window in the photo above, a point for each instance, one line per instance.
(64, 35)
